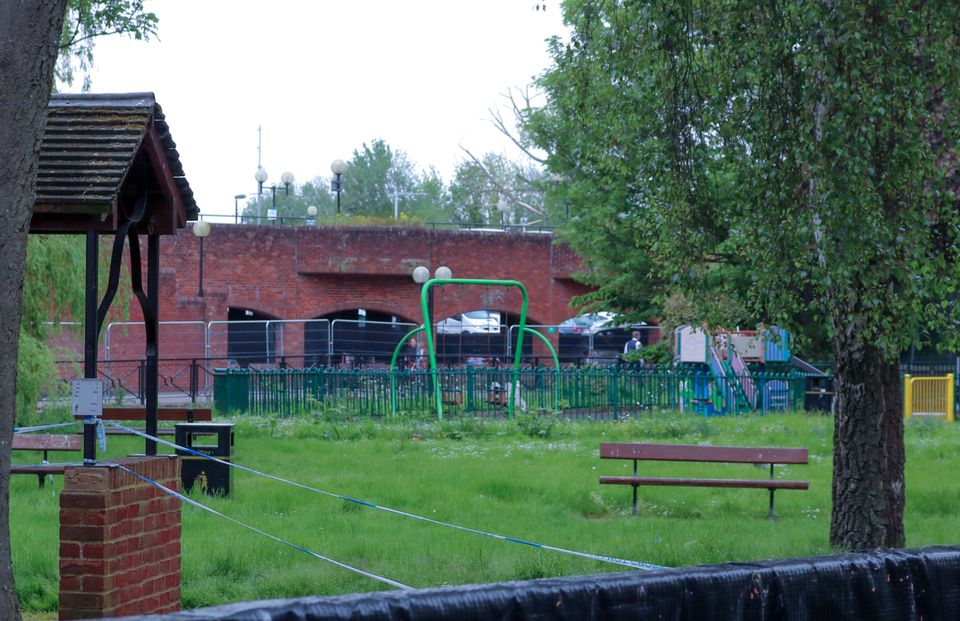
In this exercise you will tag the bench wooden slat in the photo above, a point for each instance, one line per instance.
(166, 414)
(46, 442)
(748, 483)
(699, 453)
(40, 469)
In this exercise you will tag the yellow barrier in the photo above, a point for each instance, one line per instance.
(928, 396)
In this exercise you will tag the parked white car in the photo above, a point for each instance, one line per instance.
(590, 323)
(472, 322)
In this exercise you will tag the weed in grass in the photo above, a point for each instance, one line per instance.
(592, 506)
(538, 424)
(229, 565)
(537, 566)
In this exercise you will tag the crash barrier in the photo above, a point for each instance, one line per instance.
(582, 392)
(930, 396)
(887, 584)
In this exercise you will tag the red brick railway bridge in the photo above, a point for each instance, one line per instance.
(316, 272)
(280, 273)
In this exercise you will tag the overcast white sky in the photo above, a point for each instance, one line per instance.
(323, 77)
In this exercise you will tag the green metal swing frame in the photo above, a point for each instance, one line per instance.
(428, 321)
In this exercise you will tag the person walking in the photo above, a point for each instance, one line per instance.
(634, 343)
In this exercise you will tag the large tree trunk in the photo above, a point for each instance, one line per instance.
(29, 38)
(868, 454)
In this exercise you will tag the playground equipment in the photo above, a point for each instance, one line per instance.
(512, 390)
(928, 397)
(731, 364)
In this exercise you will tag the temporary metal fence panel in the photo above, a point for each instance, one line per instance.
(268, 343)
(603, 347)
(242, 343)
(124, 340)
(363, 341)
(123, 364)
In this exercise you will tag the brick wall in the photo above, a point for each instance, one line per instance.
(120, 540)
(310, 272)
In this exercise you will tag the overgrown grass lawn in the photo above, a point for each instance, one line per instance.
(534, 479)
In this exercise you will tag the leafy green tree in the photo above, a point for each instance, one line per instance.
(53, 291)
(431, 200)
(473, 192)
(796, 157)
(87, 20)
(374, 176)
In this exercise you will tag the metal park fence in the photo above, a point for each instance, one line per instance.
(587, 392)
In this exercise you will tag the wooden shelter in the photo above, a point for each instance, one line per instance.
(109, 166)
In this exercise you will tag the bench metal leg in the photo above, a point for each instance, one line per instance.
(635, 489)
(771, 494)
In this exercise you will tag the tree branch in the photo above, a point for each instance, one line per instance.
(74, 40)
(501, 125)
(513, 196)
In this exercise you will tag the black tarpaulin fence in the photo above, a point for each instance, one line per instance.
(886, 584)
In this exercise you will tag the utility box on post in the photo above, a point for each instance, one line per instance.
(207, 475)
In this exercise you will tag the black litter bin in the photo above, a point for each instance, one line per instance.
(207, 475)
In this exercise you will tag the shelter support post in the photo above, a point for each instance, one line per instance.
(90, 332)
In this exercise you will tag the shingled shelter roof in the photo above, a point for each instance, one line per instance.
(102, 152)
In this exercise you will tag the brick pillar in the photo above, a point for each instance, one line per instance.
(120, 540)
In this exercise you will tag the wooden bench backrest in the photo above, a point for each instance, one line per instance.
(46, 442)
(175, 414)
(692, 452)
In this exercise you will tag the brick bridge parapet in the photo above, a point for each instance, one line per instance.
(307, 272)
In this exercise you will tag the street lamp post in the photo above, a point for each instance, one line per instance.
(201, 229)
(236, 207)
(261, 176)
(311, 214)
(502, 206)
(421, 275)
(338, 167)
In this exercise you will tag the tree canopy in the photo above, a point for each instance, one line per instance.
(796, 158)
(489, 190)
(88, 20)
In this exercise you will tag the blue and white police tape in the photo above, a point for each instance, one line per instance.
(586, 555)
(194, 503)
(44, 427)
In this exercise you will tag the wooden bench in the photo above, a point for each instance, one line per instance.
(45, 443)
(188, 415)
(704, 454)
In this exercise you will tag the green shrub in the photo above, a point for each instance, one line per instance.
(537, 424)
